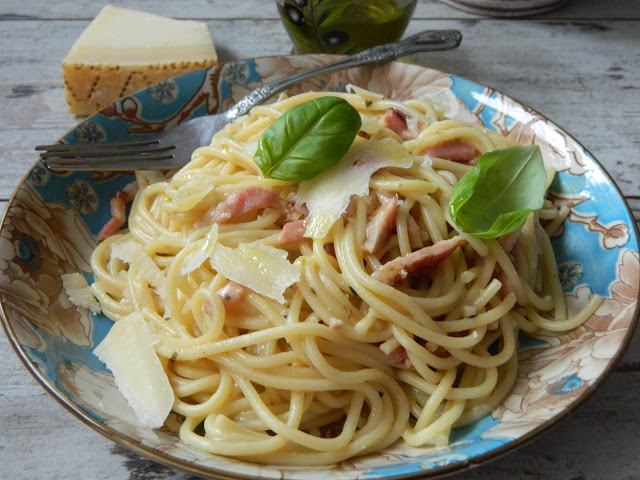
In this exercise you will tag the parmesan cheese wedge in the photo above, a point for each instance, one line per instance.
(125, 50)
(128, 352)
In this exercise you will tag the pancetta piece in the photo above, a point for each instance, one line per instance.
(399, 357)
(230, 295)
(292, 232)
(454, 150)
(240, 202)
(400, 268)
(397, 121)
(118, 205)
(382, 223)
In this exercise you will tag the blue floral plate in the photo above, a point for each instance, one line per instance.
(51, 224)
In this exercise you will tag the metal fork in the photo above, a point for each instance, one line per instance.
(173, 148)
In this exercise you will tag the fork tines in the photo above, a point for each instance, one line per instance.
(88, 156)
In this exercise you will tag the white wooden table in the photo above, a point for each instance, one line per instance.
(579, 65)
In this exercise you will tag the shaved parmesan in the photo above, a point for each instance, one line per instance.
(196, 258)
(133, 254)
(191, 193)
(79, 292)
(128, 352)
(327, 196)
(369, 125)
(261, 268)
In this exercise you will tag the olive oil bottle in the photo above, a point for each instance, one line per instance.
(345, 27)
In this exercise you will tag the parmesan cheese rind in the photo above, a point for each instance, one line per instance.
(327, 196)
(128, 352)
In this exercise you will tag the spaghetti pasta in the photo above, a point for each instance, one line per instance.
(392, 326)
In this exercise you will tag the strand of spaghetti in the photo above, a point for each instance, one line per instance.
(421, 358)
(508, 349)
(233, 445)
(452, 412)
(436, 397)
(556, 325)
(482, 389)
(551, 276)
(476, 410)
(481, 319)
(292, 433)
(222, 392)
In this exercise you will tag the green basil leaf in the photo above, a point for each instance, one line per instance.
(307, 139)
(497, 195)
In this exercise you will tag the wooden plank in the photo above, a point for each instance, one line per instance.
(86, 10)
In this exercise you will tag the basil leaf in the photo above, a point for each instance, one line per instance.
(497, 195)
(307, 139)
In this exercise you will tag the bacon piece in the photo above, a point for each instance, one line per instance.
(292, 232)
(382, 223)
(399, 357)
(118, 204)
(400, 268)
(335, 323)
(454, 150)
(397, 121)
(413, 229)
(240, 202)
(231, 293)
(294, 210)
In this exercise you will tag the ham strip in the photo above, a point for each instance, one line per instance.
(294, 210)
(413, 229)
(399, 357)
(240, 202)
(118, 205)
(292, 232)
(382, 223)
(230, 295)
(397, 121)
(454, 150)
(404, 267)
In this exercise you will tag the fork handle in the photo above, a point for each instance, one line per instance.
(428, 40)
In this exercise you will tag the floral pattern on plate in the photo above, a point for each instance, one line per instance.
(52, 221)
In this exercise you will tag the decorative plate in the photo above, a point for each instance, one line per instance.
(507, 8)
(51, 223)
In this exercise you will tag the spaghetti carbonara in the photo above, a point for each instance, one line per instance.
(384, 324)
